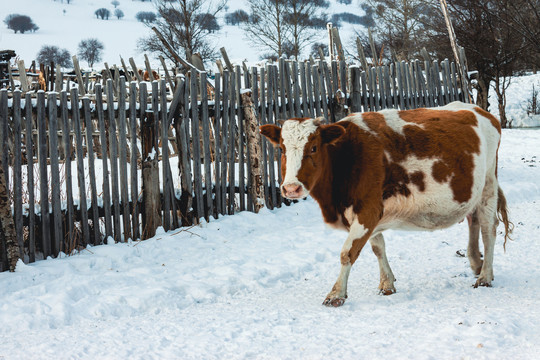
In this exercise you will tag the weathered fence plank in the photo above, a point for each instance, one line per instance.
(80, 167)
(104, 162)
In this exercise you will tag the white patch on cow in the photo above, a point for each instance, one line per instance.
(391, 116)
(356, 231)
(295, 135)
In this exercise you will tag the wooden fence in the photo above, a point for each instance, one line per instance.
(139, 157)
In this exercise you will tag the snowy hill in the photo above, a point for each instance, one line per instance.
(251, 286)
(65, 25)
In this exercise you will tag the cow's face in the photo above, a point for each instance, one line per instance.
(304, 150)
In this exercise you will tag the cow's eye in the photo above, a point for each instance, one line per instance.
(313, 149)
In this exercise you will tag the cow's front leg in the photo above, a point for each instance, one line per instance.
(358, 236)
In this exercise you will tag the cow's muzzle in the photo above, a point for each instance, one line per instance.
(293, 191)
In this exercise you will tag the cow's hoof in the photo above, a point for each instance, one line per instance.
(387, 291)
(481, 283)
(335, 302)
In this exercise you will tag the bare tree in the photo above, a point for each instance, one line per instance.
(52, 53)
(90, 50)
(268, 28)
(401, 24)
(301, 16)
(182, 25)
(493, 46)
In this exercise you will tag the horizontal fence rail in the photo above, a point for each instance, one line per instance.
(133, 156)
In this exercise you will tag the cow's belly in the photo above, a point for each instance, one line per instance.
(429, 210)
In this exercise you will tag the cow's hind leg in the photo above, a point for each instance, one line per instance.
(386, 286)
(487, 216)
(357, 238)
(473, 252)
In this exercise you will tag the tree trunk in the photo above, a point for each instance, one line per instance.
(500, 89)
(254, 145)
(483, 91)
(7, 227)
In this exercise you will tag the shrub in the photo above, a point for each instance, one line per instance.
(146, 17)
(207, 22)
(53, 53)
(237, 17)
(22, 23)
(533, 103)
(118, 13)
(115, 3)
(347, 17)
(102, 13)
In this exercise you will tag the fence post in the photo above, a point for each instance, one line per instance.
(6, 223)
(150, 172)
(254, 145)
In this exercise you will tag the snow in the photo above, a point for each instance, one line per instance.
(520, 93)
(250, 286)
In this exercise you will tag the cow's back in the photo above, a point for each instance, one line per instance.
(437, 162)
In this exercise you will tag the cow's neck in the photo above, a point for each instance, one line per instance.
(356, 171)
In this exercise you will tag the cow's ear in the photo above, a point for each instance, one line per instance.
(331, 133)
(272, 133)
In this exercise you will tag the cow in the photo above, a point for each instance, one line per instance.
(420, 169)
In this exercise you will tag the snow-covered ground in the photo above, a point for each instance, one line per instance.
(251, 286)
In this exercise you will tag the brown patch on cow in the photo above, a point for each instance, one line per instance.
(491, 118)
(433, 134)
(417, 178)
(441, 172)
(396, 181)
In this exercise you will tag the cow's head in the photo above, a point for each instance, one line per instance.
(304, 144)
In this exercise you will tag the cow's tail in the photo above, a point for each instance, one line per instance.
(502, 215)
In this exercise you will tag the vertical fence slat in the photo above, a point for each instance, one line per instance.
(296, 89)
(55, 173)
(217, 145)
(262, 117)
(69, 242)
(231, 152)
(271, 154)
(195, 123)
(123, 158)
(166, 179)
(104, 162)
(356, 91)
(113, 148)
(43, 174)
(241, 155)
(30, 174)
(224, 142)
(91, 171)
(133, 166)
(17, 170)
(80, 167)
(316, 92)
(206, 148)
(305, 96)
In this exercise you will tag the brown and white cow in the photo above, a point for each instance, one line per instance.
(421, 169)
